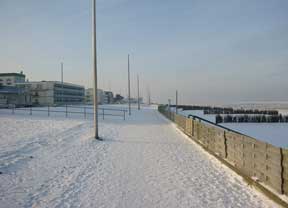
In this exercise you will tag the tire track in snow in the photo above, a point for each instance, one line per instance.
(69, 166)
(86, 159)
(12, 160)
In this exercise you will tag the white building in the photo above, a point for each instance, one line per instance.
(53, 93)
(10, 95)
(11, 79)
(89, 96)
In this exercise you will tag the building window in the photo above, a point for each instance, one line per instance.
(8, 81)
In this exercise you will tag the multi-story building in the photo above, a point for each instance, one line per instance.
(11, 79)
(108, 97)
(10, 95)
(53, 93)
(89, 96)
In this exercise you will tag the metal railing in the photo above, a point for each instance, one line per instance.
(214, 124)
(258, 162)
(68, 110)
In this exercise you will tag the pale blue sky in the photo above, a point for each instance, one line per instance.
(222, 51)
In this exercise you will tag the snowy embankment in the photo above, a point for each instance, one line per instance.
(142, 162)
(272, 133)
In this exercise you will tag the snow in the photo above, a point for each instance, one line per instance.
(272, 133)
(144, 161)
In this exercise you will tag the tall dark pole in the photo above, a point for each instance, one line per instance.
(62, 91)
(176, 101)
(129, 98)
(169, 107)
(95, 73)
(138, 92)
(148, 96)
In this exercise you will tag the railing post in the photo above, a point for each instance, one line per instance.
(282, 170)
(198, 131)
(225, 145)
(66, 111)
(103, 113)
(185, 126)
(30, 111)
(85, 112)
(193, 126)
(124, 115)
(48, 110)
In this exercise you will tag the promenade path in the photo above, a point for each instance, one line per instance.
(142, 162)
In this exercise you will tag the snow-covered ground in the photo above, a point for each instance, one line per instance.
(272, 133)
(142, 162)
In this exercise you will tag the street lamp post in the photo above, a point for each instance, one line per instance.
(94, 55)
(138, 92)
(62, 90)
(176, 102)
(129, 98)
(169, 107)
(148, 95)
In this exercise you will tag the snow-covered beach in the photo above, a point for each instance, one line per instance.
(272, 133)
(142, 162)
